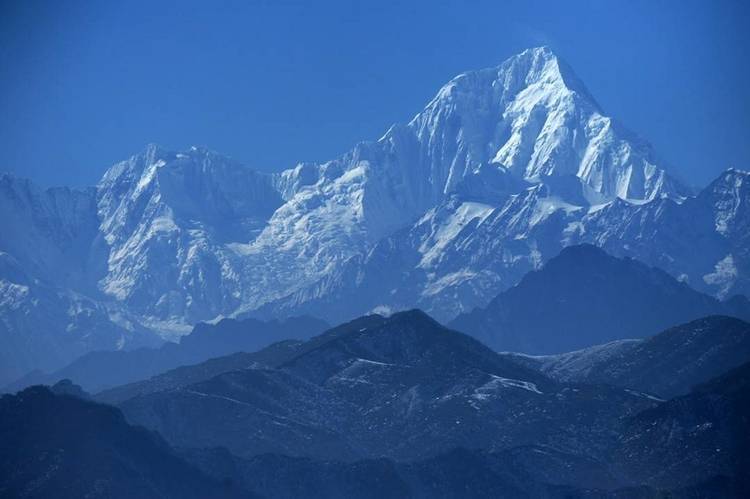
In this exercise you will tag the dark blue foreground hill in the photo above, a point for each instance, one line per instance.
(697, 437)
(61, 446)
(585, 297)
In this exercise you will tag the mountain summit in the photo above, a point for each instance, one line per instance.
(533, 118)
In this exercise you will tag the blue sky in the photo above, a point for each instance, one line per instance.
(86, 84)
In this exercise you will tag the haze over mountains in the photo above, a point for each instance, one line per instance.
(611, 299)
(499, 172)
(102, 369)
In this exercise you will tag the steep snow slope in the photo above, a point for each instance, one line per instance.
(169, 220)
(533, 117)
(50, 232)
(50, 259)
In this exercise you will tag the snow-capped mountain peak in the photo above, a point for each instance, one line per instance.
(498, 172)
(533, 117)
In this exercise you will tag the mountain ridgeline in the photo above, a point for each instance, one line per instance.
(98, 370)
(386, 402)
(502, 169)
(585, 297)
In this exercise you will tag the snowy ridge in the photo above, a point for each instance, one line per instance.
(496, 382)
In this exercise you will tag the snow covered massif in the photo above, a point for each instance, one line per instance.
(503, 168)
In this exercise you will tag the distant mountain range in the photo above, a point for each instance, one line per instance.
(499, 172)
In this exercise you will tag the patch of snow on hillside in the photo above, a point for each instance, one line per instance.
(490, 388)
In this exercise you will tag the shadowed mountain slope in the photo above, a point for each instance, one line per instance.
(585, 297)
(61, 446)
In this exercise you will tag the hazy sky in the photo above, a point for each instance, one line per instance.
(86, 84)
